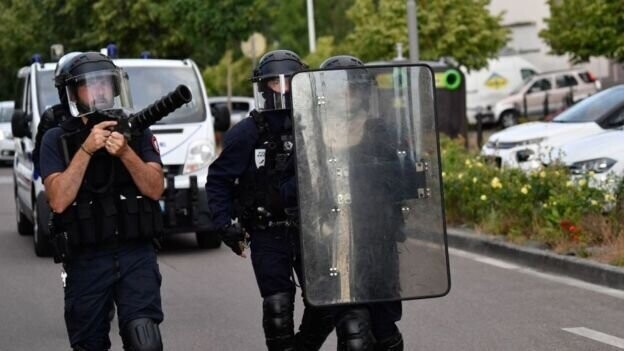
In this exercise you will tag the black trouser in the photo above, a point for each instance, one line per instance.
(274, 256)
(96, 279)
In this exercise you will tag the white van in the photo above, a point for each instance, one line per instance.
(186, 140)
(485, 87)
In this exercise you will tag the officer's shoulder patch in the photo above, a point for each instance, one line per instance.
(260, 157)
(155, 144)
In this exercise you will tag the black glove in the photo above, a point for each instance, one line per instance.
(233, 236)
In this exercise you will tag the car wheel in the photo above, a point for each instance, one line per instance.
(24, 226)
(508, 119)
(41, 235)
(208, 240)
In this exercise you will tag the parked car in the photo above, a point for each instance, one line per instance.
(528, 146)
(7, 145)
(601, 154)
(545, 93)
(186, 140)
(489, 85)
(241, 106)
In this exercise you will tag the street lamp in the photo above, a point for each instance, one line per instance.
(412, 29)
(311, 32)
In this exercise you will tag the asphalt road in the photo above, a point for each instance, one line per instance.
(211, 302)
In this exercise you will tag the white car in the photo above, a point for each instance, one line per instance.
(185, 137)
(601, 154)
(241, 106)
(528, 146)
(7, 145)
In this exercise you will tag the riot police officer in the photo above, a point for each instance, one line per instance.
(247, 177)
(103, 191)
(384, 315)
(243, 183)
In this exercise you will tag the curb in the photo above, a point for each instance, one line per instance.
(546, 261)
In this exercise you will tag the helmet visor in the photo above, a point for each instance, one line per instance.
(273, 93)
(99, 90)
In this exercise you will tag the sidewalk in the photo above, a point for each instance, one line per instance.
(547, 261)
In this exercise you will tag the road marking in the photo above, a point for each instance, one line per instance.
(6, 180)
(597, 336)
(547, 276)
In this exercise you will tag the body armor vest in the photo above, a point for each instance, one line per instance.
(108, 206)
(258, 200)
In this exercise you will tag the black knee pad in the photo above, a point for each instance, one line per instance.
(141, 334)
(354, 331)
(277, 320)
(392, 343)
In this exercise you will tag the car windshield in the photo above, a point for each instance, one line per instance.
(147, 84)
(6, 112)
(594, 107)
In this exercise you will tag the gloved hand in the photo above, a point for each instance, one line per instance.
(234, 236)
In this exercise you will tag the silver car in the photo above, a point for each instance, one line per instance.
(545, 94)
(7, 145)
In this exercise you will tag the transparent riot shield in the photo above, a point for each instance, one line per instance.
(370, 195)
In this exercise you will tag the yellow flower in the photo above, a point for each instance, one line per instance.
(443, 174)
(609, 197)
(496, 183)
(594, 202)
(474, 180)
(468, 163)
(569, 183)
(591, 173)
(582, 182)
(524, 190)
(460, 176)
(542, 174)
(545, 205)
(556, 173)
(479, 164)
(483, 197)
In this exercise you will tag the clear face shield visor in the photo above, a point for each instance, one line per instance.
(99, 90)
(273, 93)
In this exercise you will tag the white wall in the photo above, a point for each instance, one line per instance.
(525, 19)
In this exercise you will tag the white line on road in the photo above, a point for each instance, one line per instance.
(552, 277)
(597, 336)
(6, 180)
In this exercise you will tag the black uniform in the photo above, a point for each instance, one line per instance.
(108, 231)
(243, 179)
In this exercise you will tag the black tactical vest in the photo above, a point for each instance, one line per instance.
(257, 198)
(109, 206)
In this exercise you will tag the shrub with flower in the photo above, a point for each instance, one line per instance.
(547, 205)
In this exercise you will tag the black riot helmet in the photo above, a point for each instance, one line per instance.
(360, 80)
(271, 80)
(90, 81)
(341, 61)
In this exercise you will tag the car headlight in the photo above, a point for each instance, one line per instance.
(199, 155)
(496, 144)
(597, 165)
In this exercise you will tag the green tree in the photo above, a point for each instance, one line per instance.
(200, 29)
(215, 77)
(462, 29)
(586, 28)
